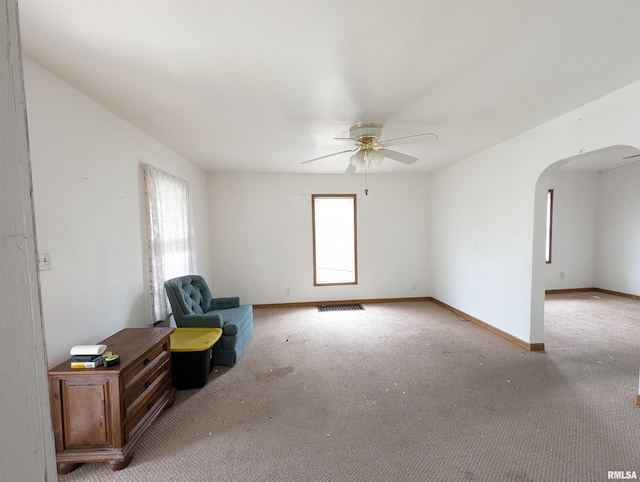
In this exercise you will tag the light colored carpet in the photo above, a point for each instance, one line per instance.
(407, 392)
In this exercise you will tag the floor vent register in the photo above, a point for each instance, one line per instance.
(349, 307)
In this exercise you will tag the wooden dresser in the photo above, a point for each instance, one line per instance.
(100, 414)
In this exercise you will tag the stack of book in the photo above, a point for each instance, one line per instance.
(88, 356)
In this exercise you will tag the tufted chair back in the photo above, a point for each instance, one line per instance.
(194, 307)
(189, 294)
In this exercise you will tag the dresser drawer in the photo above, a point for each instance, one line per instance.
(139, 370)
(136, 421)
(141, 393)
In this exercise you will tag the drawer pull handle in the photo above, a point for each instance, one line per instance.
(146, 361)
(150, 406)
(147, 384)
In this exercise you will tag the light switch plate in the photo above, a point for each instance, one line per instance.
(44, 260)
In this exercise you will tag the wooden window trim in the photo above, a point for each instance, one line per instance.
(355, 237)
(549, 234)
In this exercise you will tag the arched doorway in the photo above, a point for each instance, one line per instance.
(578, 262)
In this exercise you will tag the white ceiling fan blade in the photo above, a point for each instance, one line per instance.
(399, 156)
(329, 155)
(397, 141)
(350, 169)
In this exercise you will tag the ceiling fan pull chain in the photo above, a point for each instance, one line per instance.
(366, 191)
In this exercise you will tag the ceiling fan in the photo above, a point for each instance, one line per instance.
(370, 150)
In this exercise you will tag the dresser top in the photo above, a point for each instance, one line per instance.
(129, 344)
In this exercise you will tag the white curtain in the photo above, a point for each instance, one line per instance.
(170, 240)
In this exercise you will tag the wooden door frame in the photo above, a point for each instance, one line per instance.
(26, 434)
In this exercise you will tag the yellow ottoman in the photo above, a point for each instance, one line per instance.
(192, 356)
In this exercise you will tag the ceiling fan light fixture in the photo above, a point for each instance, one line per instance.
(358, 159)
(375, 157)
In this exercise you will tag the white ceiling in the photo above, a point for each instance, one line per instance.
(260, 86)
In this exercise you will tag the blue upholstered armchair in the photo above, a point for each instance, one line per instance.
(193, 306)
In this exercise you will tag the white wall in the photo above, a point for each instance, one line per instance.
(488, 214)
(575, 228)
(481, 239)
(618, 254)
(87, 206)
(261, 240)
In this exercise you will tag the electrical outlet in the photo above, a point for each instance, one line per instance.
(562, 274)
(414, 286)
(287, 291)
(44, 260)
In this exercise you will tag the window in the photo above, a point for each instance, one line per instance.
(548, 239)
(334, 239)
(170, 241)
